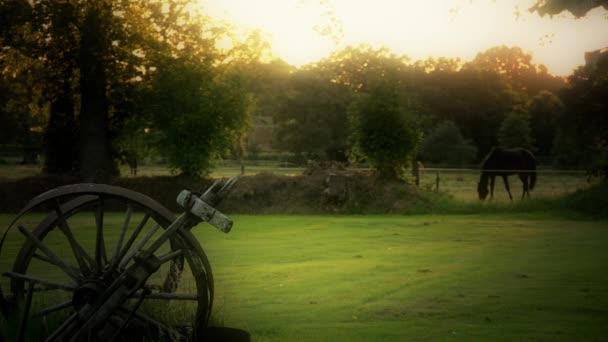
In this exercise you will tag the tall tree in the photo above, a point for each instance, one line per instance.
(384, 130)
(577, 7)
(525, 77)
(197, 113)
(359, 66)
(545, 110)
(96, 52)
(312, 120)
(515, 131)
(475, 100)
(445, 144)
(582, 137)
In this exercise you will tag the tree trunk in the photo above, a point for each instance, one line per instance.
(61, 153)
(96, 162)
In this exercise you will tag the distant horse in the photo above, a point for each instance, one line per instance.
(505, 162)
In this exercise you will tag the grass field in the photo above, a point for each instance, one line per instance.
(414, 278)
(463, 183)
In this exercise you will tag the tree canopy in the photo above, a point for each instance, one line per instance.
(384, 130)
(577, 7)
(445, 144)
(515, 131)
(93, 56)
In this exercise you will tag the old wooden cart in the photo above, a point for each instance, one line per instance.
(80, 274)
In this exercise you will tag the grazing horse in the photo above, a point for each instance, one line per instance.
(505, 162)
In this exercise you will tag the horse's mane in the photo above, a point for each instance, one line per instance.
(488, 156)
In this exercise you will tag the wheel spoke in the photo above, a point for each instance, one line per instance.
(100, 246)
(121, 237)
(61, 328)
(42, 258)
(169, 256)
(69, 270)
(138, 230)
(131, 314)
(79, 253)
(54, 308)
(129, 255)
(26, 312)
(166, 296)
(49, 283)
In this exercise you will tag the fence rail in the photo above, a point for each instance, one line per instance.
(551, 171)
(462, 182)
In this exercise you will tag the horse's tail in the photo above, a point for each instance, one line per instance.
(533, 172)
(533, 179)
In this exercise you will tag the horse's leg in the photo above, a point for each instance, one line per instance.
(505, 178)
(492, 186)
(524, 180)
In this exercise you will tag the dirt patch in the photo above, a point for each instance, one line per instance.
(321, 192)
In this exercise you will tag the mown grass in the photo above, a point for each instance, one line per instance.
(515, 276)
(400, 278)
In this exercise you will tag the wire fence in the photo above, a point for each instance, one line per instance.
(462, 182)
(459, 182)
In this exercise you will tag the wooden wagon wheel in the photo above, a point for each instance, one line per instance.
(74, 254)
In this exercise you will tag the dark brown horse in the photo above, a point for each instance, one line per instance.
(506, 162)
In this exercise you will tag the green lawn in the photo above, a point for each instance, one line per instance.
(398, 278)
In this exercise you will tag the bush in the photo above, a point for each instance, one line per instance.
(592, 202)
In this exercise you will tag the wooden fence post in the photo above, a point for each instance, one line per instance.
(416, 172)
(437, 181)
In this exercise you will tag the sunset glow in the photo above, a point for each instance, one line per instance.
(433, 28)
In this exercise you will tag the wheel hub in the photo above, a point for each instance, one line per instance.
(88, 292)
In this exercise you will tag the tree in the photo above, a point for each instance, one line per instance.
(515, 131)
(312, 118)
(384, 131)
(445, 144)
(545, 109)
(197, 112)
(582, 137)
(93, 53)
(525, 77)
(577, 7)
(475, 100)
(358, 66)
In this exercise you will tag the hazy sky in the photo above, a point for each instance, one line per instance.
(419, 29)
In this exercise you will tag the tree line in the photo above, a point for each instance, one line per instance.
(97, 81)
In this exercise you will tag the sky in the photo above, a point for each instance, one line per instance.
(419, 29)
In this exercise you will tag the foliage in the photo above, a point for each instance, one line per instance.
(445, 144)
(582, 138)
(197, 113)
(358, 67)
(525, 77)
(384, 130)
(93, 55)
(312, 119)
(545, 108)
(592, 201)
(475, 100)
(577, 7)
(515, 131)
